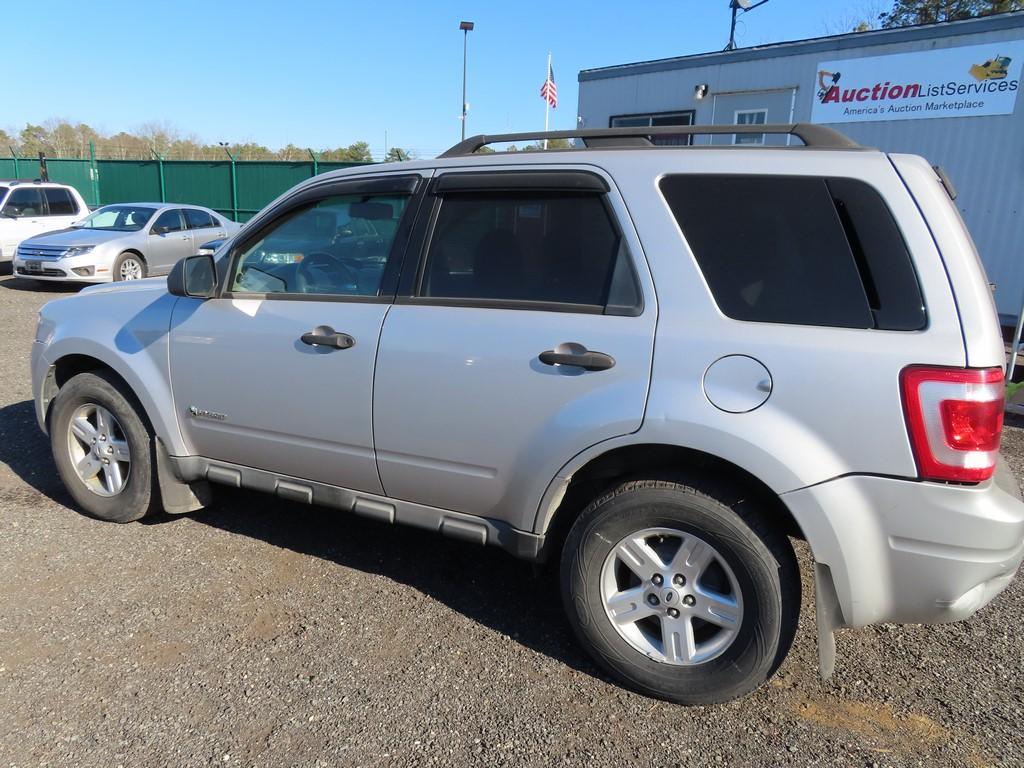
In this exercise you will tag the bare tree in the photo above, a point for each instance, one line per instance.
(860, 18)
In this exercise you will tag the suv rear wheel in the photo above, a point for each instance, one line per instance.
(103, 448)
(681, 591)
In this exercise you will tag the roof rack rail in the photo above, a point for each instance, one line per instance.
(594, 138)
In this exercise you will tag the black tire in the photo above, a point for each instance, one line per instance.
(120, 260)
(139, 496)
(760, 557)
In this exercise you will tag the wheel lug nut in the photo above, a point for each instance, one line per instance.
(652, 599)
(679, 580)
(673, 612)
(657, 579)
(689, 600)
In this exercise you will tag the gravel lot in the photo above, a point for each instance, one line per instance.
(259, 632)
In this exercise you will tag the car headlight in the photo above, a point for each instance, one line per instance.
(79, 250)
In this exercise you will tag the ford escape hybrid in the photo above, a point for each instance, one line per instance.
(651, 365)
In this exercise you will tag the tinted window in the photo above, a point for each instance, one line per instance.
(546, 247)
(169, 221)
(24, 202)
(887, 270)
(60, 201)
(772, 249)
(339, 246)
(197, 219)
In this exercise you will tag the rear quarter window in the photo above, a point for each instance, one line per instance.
(798, 250)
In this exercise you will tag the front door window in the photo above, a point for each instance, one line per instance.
(338, 246)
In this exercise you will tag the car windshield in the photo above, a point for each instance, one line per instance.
(118, 218)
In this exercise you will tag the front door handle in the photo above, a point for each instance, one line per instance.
(325, 336)
(578, 355)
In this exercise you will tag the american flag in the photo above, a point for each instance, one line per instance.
(549, 91)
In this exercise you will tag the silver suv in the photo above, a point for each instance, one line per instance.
(653, 365)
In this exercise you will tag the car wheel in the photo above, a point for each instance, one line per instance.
(103, 448)
(129, 266)
(681, 590)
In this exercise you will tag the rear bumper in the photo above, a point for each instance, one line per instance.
(913, 552)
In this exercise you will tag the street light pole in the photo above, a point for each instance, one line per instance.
(466, 27)
(739, 5)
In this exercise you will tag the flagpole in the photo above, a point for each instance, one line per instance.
(547, 103)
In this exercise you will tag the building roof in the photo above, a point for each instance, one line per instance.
(850, 40)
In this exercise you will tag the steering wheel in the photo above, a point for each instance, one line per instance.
(323, 272)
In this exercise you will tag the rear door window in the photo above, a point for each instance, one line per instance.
(798, 250)
(60, 201)
(198, 219)
(558, 250)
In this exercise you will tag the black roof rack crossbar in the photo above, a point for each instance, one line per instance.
(593, 138)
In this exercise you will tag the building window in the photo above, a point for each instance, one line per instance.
(656, 120)
(749, 117)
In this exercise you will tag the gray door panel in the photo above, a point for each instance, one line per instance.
(467, 418)
(264, 399)
(165, 249)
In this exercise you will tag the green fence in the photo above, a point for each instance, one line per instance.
(235, 188)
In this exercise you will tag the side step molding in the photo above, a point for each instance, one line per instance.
(455, 525)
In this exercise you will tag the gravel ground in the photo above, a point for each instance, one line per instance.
(259, 632)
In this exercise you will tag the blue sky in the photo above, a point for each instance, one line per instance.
(325, 74)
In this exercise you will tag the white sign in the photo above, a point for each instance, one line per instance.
(953, 82)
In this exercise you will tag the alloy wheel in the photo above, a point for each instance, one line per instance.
(99, 450)
(671, 596)
(130, 269)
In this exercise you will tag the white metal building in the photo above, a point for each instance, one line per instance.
(945, 91)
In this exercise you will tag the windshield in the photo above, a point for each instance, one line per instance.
(118, 218)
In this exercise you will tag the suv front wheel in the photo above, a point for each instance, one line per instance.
(103, 448)
(682, 591)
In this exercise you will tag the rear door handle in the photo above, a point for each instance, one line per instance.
(579, 356)
(325, 336)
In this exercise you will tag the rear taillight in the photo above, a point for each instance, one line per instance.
(954, 419)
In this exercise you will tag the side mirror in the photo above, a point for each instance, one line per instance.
(159, 229)
(194, 276)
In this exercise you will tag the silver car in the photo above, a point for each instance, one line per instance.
(127, 241)
(651, 365)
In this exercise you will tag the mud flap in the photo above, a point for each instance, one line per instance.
(829, 618)
(177, 496)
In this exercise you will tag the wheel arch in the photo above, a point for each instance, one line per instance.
(570, 493)
(95, 357)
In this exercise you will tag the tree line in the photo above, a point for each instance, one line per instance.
(62, 138)
(909, 12)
